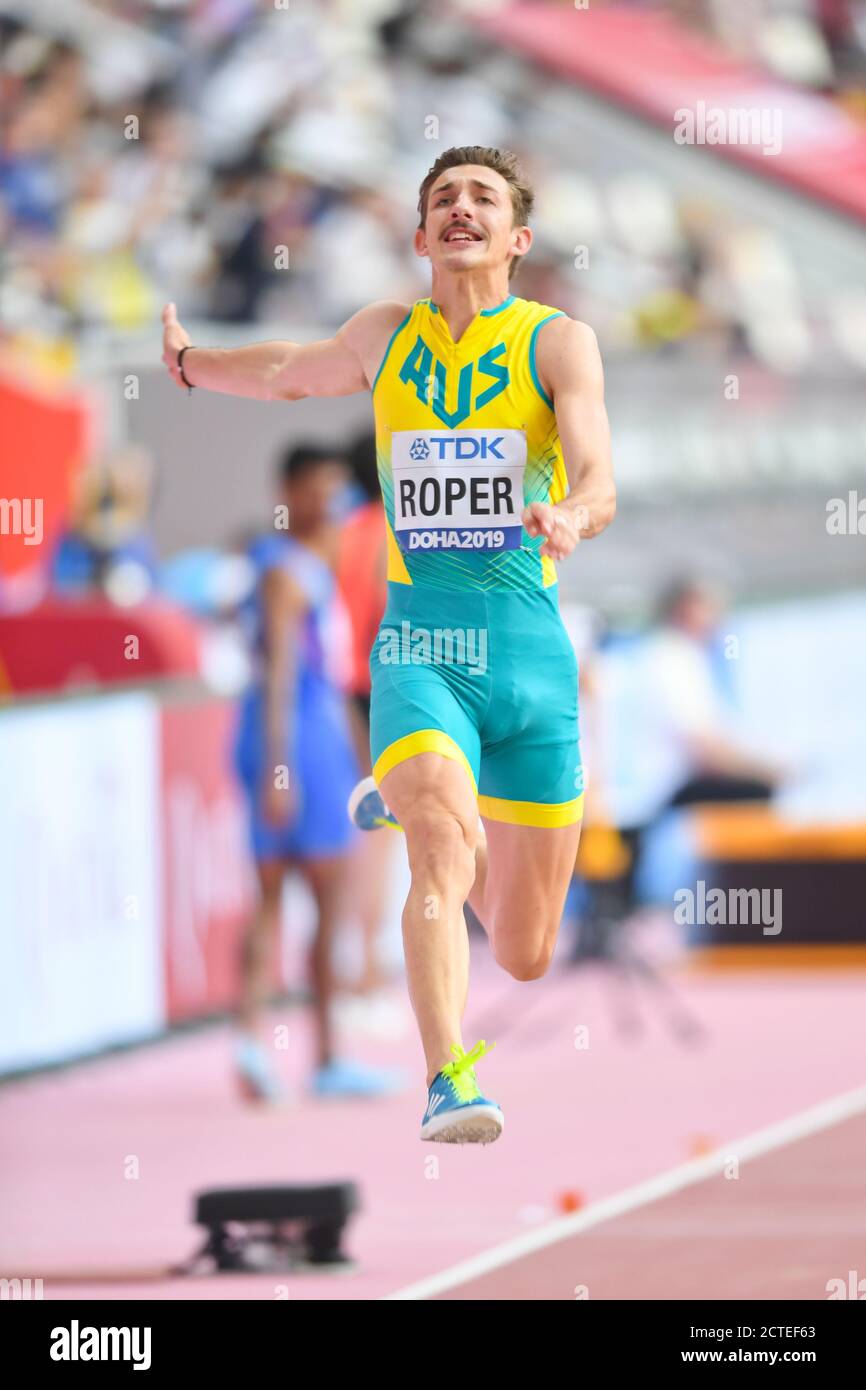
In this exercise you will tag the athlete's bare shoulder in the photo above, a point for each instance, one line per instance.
(370, 330)
(566, 352)
(564, 330)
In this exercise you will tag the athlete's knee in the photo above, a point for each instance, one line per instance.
(441, 850)
(523, 963)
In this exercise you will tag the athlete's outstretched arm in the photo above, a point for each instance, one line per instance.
(283, 371)
(569, 365)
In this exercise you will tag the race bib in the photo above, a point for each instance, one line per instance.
(458, 489)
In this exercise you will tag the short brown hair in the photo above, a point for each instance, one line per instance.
(502, 162)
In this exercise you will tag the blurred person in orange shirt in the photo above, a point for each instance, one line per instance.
(362, 568)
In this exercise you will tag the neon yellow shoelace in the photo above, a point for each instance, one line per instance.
(460, 1071)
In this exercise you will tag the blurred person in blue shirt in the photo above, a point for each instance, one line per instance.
(296, 760)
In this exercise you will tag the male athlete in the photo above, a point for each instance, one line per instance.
(494, 460)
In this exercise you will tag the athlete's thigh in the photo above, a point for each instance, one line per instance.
(426, 751)
(529, 869)
(424, 716)
(531, 772)
(429, 785)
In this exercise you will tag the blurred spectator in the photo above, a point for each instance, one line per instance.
(296, 762)
(668, 734)
(181, 149)
(362, 247)
(698, 759)
(361, 575)
(107, 546)
(236, 224)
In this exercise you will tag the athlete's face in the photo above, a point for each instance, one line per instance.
(470, 221)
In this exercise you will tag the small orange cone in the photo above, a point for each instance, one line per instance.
(570, 1201)
(701, 1144)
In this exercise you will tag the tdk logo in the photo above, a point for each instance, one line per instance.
(459, 448)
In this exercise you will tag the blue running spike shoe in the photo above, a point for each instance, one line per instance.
(457, 1112)
(366, 808)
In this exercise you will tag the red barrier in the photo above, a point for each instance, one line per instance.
(208, 887)
(46, 436)
(65, 643)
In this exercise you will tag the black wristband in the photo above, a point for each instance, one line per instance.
(188, 384)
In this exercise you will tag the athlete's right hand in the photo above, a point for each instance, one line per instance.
(558, 522)
(174, 337)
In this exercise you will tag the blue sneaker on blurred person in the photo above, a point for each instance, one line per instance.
(256, 1073)
(342, 1077)
(366, 808)
(368, 811)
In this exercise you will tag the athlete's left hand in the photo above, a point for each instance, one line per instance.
(559, 524)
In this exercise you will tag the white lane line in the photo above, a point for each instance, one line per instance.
(808, 1122)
